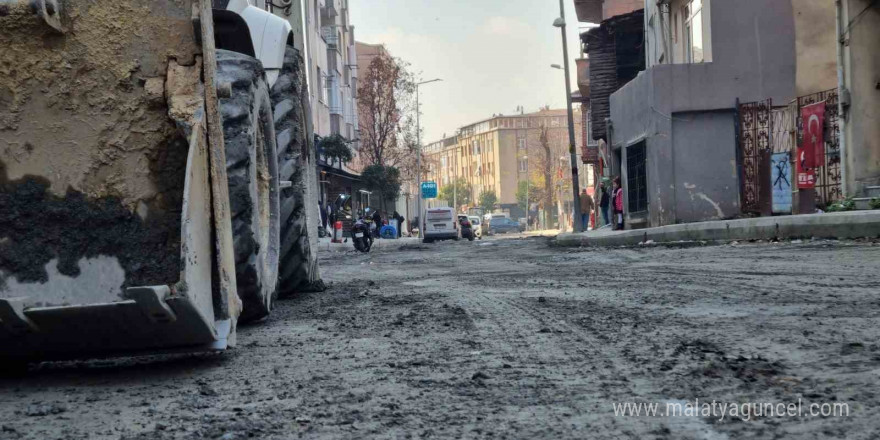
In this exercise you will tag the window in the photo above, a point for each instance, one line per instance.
(523, 165)
(322, 87)
(521, 143)
(693, 31)
(675, 28)
(636, 178)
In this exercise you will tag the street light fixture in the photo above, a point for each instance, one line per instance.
(556, 66)
(419, 147)
(560, 23)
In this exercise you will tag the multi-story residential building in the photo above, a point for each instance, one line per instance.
(672, 136)
(332, 63)
(496, 154)
(616, 46)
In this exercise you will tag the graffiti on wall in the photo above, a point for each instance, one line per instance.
(781, 182)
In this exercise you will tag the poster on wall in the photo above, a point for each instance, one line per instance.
(781, 182)
(811, 151)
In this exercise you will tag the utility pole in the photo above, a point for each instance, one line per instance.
(572, 148)
(419, 148)
(455, 181)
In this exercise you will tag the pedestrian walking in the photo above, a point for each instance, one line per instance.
(586, 210)
(617, 199)
(377, 221)
(400, 219)
(604, 202)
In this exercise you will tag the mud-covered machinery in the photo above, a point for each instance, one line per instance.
(155, 174)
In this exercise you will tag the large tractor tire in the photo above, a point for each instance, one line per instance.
(296, 163)
(252, 170)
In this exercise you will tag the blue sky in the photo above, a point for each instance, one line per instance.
(493, 55)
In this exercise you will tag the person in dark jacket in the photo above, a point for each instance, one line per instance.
(377, 221)
(400, 221)
(604, 202)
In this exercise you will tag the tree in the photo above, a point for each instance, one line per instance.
(525, 188)
(488, 199)
(335, 148)
(384, 99)
(462, 194)
(382, 179)
(546, 166)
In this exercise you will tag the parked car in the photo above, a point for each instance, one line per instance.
(504, 225)
(440, 224)
(477, 224)
(467, 228)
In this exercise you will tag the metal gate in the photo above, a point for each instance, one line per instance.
(754, 125)
(828, 178)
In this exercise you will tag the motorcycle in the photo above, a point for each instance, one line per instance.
(361, 236)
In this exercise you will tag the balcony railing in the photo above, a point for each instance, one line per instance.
(328, 33)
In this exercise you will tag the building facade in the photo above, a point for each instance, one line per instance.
(496, 154)
(672, 137)
(333, 80)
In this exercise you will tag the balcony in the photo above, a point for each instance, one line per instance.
(328, 33)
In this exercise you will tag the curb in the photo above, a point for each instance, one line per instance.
(327, 246)
(854, 224)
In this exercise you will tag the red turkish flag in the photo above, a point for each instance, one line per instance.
(811, 151)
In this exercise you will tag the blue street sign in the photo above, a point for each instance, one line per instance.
(429, 190)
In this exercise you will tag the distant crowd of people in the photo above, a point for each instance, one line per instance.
(330, 215)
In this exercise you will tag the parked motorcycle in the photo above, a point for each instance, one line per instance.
(361, 236)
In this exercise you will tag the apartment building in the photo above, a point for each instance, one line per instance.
(333, 79)
(497, 153)
(672, 137)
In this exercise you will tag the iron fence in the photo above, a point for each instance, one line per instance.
(828, 176)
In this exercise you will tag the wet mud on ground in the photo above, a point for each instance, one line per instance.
(506, 338)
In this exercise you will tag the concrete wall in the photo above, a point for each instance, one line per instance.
(752, 58)
(613, 8)
(815, 46)
(862, 66)
(704, 166)
(508, 167)
(684, 111)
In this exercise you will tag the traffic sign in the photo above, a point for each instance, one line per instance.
(429, 190)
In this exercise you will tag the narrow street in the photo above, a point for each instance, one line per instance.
(506, 338)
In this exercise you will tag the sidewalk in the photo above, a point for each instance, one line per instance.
(324, 244)
(852, 224)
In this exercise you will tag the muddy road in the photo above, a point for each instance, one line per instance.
(510, 338)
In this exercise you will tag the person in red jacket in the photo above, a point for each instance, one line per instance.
(617, 201)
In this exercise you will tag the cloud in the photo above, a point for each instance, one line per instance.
(506, 26)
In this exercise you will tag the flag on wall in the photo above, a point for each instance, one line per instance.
(811, 151)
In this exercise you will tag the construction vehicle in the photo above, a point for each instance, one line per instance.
(155, 169)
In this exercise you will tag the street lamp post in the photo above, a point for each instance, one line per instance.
(560, 23)
(528, 183)
(419, 146)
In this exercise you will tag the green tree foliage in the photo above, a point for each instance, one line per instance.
(462, 193)
(533, 191)
(488, 199)
(384, 180)
(335, 148)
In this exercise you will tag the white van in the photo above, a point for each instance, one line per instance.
(440, 224)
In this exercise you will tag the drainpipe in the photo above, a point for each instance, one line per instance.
(609, 145)
(842, 94)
